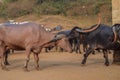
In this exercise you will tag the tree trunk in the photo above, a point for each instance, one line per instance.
(116, 57)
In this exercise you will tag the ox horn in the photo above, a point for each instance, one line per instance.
(92, 29)
(58, 37)
(115, 34)
(117, 27)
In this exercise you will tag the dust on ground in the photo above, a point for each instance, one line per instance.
(61, 66)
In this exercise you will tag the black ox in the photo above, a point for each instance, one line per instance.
(100, 36)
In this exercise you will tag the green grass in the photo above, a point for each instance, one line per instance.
(17, 8)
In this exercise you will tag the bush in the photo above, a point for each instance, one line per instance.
(97, 7)
(2, 11)
(15, 12)
(54, 8)
(17, 8)
(10, 1)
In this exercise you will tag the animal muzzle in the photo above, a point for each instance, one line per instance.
(58, 37)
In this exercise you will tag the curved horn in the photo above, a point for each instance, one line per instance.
(58, 37)
(92, 29)
(115, 35)
(117, 27)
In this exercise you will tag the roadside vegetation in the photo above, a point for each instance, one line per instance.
(73, 8)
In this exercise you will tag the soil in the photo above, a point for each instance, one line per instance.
(61, 66)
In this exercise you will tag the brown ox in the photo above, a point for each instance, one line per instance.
(30, 37)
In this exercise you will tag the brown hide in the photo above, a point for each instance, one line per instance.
(29, 37)
(21, 36)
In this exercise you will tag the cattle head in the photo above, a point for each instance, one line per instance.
(74, 33)
(62, 41)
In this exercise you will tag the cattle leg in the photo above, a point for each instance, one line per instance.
(12, 50)
(61, 49)
(27, 60)
(36, 58)
(89, 50)
(2, 59)
(93, 52)
(85, 47)
(109, 51)
(77, 49)
(46, 49)
(78, 46)
(2, 62)
(106, 57)
(6, 59)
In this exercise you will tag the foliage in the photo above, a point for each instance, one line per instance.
(17, 8)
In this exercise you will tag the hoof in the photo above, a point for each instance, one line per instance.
(82, 65)
(38, 68)
(26, 70)
(107, 64)
(83, 62)
(5, 69)
(6, 63)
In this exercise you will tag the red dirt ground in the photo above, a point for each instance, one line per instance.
(61, 66)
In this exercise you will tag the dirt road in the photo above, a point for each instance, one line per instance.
(61, 66)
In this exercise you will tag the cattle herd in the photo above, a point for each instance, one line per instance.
(33, 37)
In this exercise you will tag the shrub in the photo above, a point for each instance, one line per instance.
(97, 6)
(2, 11)
(53, 8)
(17, 8)
(10, 1)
